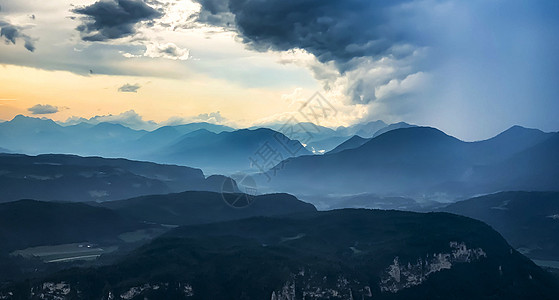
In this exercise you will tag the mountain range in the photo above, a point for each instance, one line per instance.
(147, 230)
(179, 144)
(397, 160)
(168, 135)
(358, 140)
(319, 139)
(242, 150)
(217, 149)
(37, 136)
(424, 163)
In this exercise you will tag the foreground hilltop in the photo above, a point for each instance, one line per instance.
(528, 220)
(341, 254)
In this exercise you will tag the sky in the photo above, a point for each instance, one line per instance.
(470, 68)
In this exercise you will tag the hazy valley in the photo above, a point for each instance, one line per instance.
(216, 226)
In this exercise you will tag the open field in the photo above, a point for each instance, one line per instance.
(66, 252)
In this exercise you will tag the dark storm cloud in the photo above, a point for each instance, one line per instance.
(41, 109)
(113, 19)
(331, 30)
(216, 13)
(11, 33)
(349, 33)
(494, 60)
(129, 88)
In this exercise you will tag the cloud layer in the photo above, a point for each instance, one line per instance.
(368, 43)
(133, 120)
(113, 19)
(472, 67)
(425, 61)
(331, 30)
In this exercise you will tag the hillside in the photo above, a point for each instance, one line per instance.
(528, 220)
(425, 164)
(230, 152)
(391, 127)
(343, 254)
(403, 160)
(533, 169)
(352, 143)
(168, 135)
(28, 223)
(205, 207)
(80, 179)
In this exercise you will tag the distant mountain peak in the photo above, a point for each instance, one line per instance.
(517, 129)
(518, 134)
(21, 121)
(200, 131)
(419, 131)
(20, 118)
(110, 125)
(392, 127)
(351, 143)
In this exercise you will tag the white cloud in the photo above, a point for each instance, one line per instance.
(167, 50)
(297, 97)
(212, 117)
(365, 88)
(129, 119)
(396, 87)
